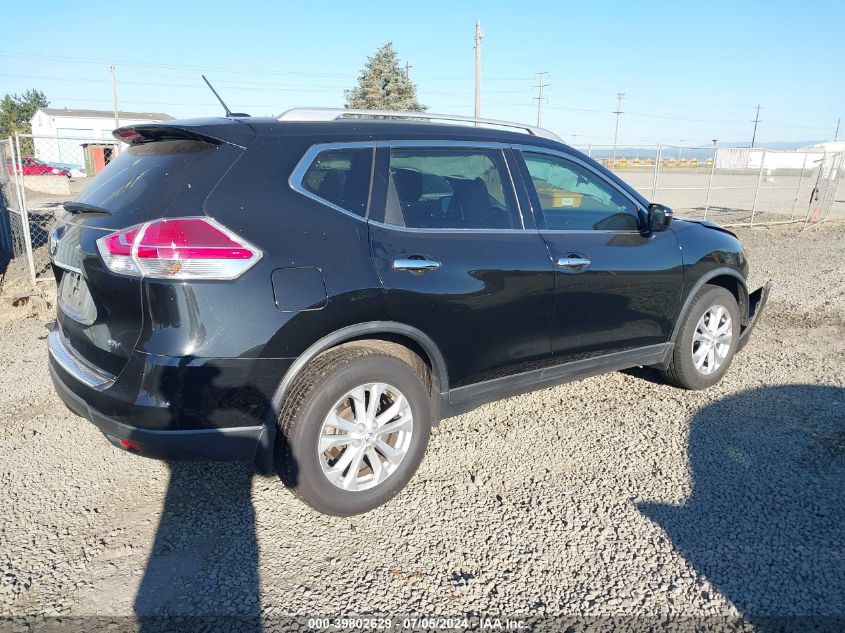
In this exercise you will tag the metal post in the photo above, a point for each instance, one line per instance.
(114, 97)
(15, 174)
(617, 112)
(27, 240)
(819, 176)
(478, 37)
(540, 98)
(18, 180)
(836, 183)
(756, 121)
(710, 183)
(757, 190)
(656, 171)
(590, 150)
(798, 188)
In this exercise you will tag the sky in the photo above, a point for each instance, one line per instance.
(691, 72)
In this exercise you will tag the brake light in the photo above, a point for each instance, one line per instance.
(127, 134)
(181, 248)
(129, 445)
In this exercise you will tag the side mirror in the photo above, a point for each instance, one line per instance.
(659, 217)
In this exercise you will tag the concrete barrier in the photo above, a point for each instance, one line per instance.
(58, 185)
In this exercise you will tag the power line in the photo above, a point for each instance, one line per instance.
(541, 76)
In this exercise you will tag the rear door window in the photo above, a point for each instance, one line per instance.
(341, 177)
(452, 188)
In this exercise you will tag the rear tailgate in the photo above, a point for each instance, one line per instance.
(100, 313)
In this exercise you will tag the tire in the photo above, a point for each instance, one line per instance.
(682, 371)
(323, 387)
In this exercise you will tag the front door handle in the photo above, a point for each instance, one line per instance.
(574, 264)
(414, 264)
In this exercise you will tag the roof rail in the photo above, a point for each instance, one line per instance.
(335, 114)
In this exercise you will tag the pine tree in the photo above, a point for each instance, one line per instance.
(383, 85)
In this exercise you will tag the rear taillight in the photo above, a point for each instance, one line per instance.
(181, 248)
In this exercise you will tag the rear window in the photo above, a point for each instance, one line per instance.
(144, 180)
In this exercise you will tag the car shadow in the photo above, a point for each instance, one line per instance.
(765, 523)
(649, 374)
(202, 572)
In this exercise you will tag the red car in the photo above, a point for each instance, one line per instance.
(33, 167)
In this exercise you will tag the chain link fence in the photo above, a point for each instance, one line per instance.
(14, 229)
(733, 186)
(46, 172)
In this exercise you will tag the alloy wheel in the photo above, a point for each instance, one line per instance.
(712, 340)
(365, 436)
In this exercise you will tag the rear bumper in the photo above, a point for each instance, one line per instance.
(756, 303)
(227, 444)
(175, 408)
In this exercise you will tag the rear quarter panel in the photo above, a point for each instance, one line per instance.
(255, 200)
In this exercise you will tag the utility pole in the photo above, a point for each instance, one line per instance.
(617, 112)
(756, 121)
(408, 70)
(836, 134)
(114, 97)
(542, 75)
(478, 37)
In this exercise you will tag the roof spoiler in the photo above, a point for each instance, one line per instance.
(137, 134)
(213, 131)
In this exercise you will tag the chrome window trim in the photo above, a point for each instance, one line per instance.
(459, 231)
(67, 360)
(574, 159)
(298, 174)
(437, 143)
(593, 231)
(459, 144)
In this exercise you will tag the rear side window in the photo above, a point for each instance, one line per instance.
(341, 177)
(450, 189)
(573, 198)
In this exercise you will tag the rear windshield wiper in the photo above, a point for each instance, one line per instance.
(82, 207)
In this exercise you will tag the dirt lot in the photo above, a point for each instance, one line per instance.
(614, 497)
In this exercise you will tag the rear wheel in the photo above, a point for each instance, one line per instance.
(354, 427)
(707, 340)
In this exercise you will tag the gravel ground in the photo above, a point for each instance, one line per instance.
(616, 496)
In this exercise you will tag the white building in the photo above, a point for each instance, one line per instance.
(60, 132)
(825, 148)
(745, 158)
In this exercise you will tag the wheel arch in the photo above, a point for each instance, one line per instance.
(384, 331)
(727, 278)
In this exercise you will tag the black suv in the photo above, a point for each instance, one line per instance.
(314, 292)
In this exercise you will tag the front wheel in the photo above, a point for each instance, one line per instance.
(707, 340)
(354, 428)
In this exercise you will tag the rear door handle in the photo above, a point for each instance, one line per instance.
(414, 264)
(574, 264)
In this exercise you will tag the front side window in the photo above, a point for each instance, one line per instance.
(341, 177)
(575, 199)
(450, 189)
